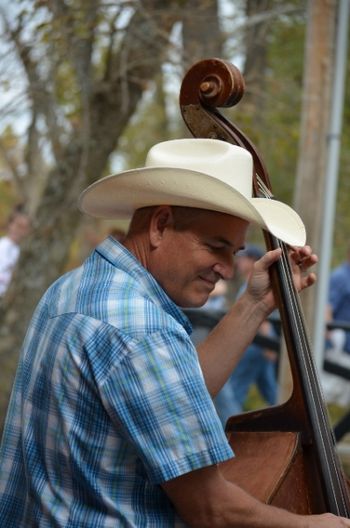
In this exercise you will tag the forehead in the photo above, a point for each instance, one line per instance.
(222, 226)
(20, 220)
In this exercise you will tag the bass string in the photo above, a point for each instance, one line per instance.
(297, 314)
(295, 310)
(313, 390)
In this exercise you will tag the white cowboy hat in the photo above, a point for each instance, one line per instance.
(204, 173)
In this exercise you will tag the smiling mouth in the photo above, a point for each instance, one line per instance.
(210, 283)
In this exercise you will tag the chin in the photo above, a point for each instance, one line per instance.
(194, 303)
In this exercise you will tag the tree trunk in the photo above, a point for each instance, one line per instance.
(112, 103)
(256, 59)
(309, 190)
(201, 32)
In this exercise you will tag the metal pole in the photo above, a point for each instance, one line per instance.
(333, 143)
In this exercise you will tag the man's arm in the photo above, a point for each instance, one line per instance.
(222, 349)
(205, 499)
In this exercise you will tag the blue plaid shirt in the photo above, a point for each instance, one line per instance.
(109, 401)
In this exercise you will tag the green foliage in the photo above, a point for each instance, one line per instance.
(7, 200)
(8, 195)
(150, 125)
(274, 126)
(286, 58)
(254, 400)
(281, 120)
(342, 219)
(276, 129)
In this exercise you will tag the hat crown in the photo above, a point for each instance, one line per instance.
(209, 174)
(221, 160)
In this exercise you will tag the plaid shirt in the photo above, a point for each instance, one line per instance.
(109, 401)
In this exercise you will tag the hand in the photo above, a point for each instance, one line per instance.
(259, 286)
(301, 260)
(327, 520)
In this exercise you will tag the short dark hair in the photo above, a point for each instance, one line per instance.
(251, 251)
(18, 209)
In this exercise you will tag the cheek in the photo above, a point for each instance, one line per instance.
(186, 259)
(180, 272)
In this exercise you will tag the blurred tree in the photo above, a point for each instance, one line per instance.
(11, 189)
(273, 40)
(159, 112)
(318, 75)
(202, 35)
(100, 76)
(88, 65)
(10, 154)
(86, 71)
(310, 184)
(342, 219)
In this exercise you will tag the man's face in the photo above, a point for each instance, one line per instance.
(189, 262)
(19, 228)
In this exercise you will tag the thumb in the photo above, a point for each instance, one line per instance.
(268, 259)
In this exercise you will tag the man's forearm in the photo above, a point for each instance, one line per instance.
(221, 350)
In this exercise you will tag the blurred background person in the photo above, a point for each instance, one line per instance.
(217, 300)
(217, 303)
(339, 304)
(258, 365)
(17, 229)
(336, 388)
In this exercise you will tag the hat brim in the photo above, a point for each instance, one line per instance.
(117, 196)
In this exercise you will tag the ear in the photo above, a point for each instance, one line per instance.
(162, 218)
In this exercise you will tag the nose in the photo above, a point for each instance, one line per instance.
(224, 268)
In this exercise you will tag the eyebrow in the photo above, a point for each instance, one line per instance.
(222, 240)
(227, 243)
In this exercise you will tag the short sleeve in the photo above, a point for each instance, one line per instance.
(156, 396)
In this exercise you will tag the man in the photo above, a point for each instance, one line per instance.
(18, 227)
(111, 421)
(339, 299)
(336, 389)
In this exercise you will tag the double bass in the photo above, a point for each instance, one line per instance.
(286, 454)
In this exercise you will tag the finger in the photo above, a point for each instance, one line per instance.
(299, 254)
(268, 259)
(301, 250)
(309, 280)
(304, 262)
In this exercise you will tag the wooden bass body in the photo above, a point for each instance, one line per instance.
(285, 455)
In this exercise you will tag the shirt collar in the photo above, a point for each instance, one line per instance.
(123, 259)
